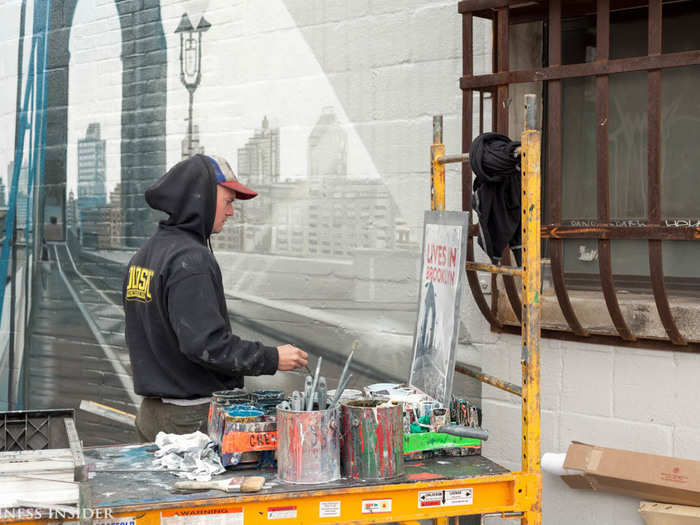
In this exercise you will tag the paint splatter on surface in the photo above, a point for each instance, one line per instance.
(419, 476)
(112, 488)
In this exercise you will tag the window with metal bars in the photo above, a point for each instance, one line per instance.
(627, 139)
(620, 200)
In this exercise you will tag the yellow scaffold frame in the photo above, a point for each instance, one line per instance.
(530, 274)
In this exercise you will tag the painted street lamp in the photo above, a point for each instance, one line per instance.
(191, 62)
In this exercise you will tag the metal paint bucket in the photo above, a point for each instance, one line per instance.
(308, 449)
(372, 439)
(346, 395)
(243, 442)
(380, 389)
(217, 409)
(268, 400)
(439, 417)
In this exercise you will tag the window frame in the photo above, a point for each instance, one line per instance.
(556, 230)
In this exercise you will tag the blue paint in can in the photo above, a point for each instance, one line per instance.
(246, 411)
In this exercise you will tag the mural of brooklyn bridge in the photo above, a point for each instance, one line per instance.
(326, 256)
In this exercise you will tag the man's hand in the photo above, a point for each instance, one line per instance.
(291, 358)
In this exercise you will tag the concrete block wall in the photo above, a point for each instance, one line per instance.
(640, 400)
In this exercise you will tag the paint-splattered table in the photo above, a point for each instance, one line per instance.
(124, 485)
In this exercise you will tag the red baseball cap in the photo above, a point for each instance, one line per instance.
(226, 177)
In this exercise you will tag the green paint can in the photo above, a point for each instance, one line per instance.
(372, 439)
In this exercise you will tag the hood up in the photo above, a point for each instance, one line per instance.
(187, 193)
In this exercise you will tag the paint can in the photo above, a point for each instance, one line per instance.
(380, 390)
(217, 407)
(244, 441)
(308, 449)
(427, 407)
(268, 400)
(346, 394)
(439, 417)
(372, 447)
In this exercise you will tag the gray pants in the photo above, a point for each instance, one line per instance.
(155, 416)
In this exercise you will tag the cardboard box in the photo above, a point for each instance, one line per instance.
(665, 514)
(657, 478)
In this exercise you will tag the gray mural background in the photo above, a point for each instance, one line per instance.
(329, 126)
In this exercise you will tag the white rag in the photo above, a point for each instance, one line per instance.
(192, 456)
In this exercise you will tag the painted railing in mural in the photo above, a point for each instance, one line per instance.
(653, 231)
(28, 170)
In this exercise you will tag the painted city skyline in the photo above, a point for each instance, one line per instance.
(323, 214)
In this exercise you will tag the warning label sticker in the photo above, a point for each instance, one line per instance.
(445, 498)
(329, 509)
(281, 513)
(376, 506)
(430, 498)
(217, 516)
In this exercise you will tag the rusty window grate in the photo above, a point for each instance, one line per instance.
(603, 228)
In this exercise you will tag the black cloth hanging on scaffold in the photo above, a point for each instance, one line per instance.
(496, 198)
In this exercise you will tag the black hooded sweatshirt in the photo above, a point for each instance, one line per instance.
(177, 328)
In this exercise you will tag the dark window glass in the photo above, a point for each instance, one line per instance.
(628, 141)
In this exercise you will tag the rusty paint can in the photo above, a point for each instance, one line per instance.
(308, 448)
(372, 445)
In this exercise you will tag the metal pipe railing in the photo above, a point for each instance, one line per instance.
(492, 268)
(465, 369)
